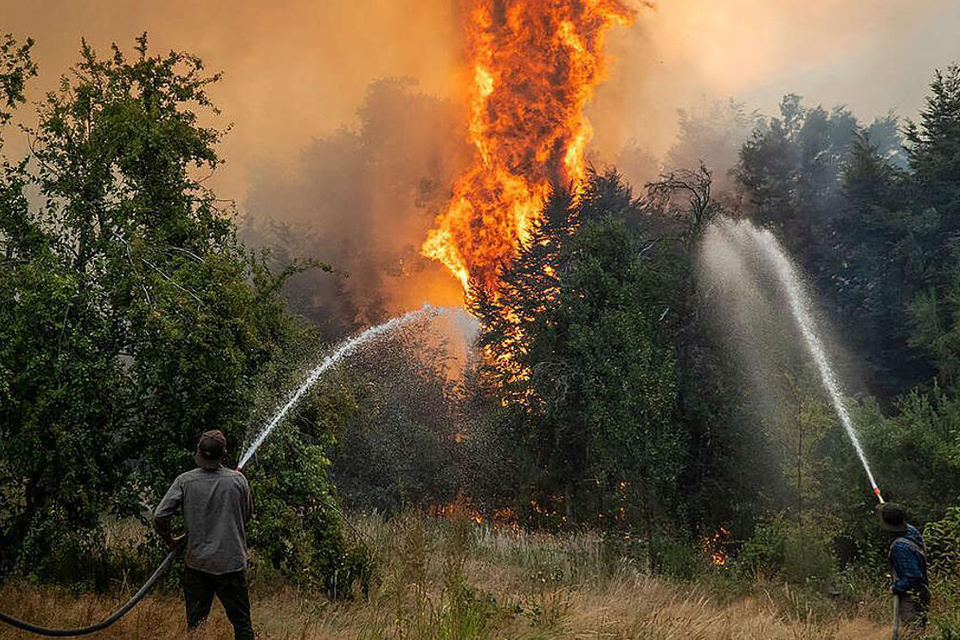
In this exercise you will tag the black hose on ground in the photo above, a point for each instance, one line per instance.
(122, 611)
(137, 597)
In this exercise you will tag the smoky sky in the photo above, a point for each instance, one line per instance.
(297, 69)
(293, 69)
(870, 56)
(298, 74)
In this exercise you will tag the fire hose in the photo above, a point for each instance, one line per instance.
(119, 613)
(137, 597)
(896, 617)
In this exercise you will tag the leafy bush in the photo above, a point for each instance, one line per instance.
(915, 452)
(940, 540)
(765, 551)
(943, 562)
(402, 448)
(798, 553)
(676, 558)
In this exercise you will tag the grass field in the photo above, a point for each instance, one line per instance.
(453, 579)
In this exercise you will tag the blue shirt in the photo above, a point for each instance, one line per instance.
(909, 564)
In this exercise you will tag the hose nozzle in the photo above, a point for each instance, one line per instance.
(876, 491)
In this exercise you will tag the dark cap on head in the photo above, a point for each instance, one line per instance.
(893, 517)
(210, 449)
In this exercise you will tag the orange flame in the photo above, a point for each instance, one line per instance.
(534, 66)
(713, 547)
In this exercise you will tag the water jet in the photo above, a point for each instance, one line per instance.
(345, 348)
(756, 250)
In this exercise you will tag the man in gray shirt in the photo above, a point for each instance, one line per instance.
(216, 508)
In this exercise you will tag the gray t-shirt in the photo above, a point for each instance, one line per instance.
(216, 507)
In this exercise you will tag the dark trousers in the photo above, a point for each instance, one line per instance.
(231, 588)
(914, 607)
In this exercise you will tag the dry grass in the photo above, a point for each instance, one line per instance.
(450, 580)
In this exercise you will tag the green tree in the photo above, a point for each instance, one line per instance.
(791, 169)
(934, 147)
(934, 142)
(915, 452)
(833, 189)
(573, 346)
(131, 318)
(16, 67)
(806, 420)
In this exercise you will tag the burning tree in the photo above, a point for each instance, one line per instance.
(533, 66)
(591, 386)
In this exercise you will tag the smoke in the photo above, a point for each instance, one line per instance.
(297, 69)
(363, 199)
(352, 171)
(870, 56)
(294, 69)
(324, 159)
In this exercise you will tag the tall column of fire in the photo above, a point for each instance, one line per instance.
(533, 65)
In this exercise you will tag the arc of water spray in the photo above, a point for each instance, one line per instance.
(346, 348)
(342, 351)
(801, 313)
